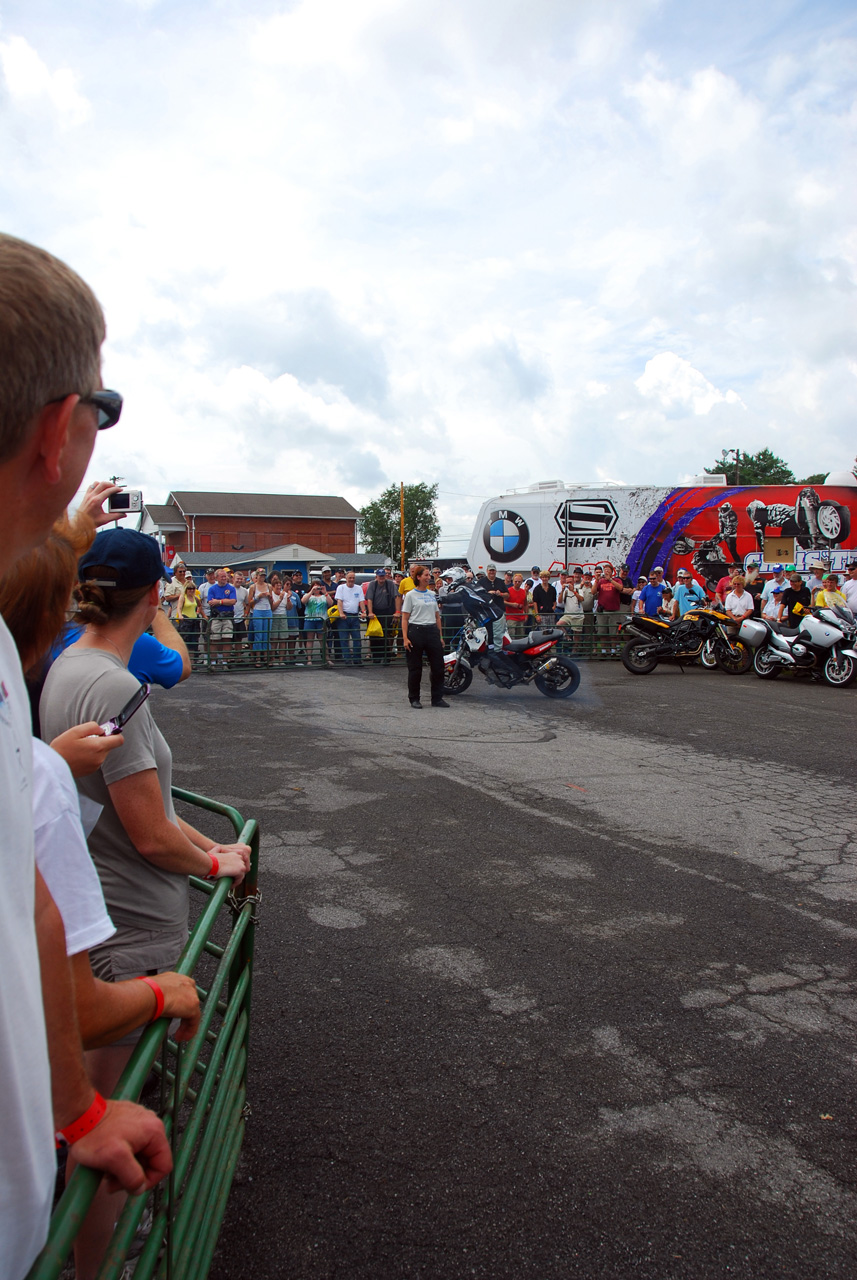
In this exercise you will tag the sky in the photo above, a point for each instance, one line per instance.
(482, 243)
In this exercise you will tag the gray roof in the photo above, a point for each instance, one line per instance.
(199, 503)
(360, 561)
(352, 560)
(162, 515)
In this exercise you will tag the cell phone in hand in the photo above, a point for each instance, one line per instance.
(117, 724)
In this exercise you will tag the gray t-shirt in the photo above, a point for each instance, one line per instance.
(89, 684)
(421, 606)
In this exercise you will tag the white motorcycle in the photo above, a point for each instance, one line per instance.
(824, 643)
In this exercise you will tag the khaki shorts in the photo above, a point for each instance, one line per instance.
(133, 952)
(221, 628)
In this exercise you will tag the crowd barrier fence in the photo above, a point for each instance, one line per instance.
(325, 649)
(202, 1095)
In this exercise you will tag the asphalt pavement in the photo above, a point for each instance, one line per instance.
(544, 989)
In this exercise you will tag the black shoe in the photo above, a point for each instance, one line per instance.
(416, 704)
(440, 703)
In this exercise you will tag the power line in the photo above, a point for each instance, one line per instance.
(448, 493)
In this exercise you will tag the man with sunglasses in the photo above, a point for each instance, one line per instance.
(652, 594)
(51, 408)
(688, 593)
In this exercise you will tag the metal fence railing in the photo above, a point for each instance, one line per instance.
(202, 1095)
(330, 648)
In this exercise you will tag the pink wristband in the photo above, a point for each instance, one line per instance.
(214, 868)
(159, 996)
(84, 1124)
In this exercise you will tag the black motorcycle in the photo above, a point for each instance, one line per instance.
(704, 632)
(518, 662)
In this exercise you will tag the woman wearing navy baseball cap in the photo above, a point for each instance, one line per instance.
(142, 850)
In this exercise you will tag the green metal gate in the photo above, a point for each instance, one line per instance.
(203, 1087)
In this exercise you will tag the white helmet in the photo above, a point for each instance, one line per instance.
(456, 574)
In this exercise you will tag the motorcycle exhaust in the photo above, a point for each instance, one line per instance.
(785, 659)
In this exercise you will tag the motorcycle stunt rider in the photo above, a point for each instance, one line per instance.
(727, 518)
(496, 592)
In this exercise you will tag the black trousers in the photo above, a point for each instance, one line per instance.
(425, 640)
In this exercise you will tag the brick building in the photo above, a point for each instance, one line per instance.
(229, 523)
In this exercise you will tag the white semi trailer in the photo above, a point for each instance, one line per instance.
(706, 526)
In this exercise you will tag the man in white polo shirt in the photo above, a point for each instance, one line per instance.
(352, 607)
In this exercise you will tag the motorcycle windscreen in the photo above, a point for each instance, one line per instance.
(478, 603)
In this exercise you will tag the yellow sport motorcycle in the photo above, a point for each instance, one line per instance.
(705, 632)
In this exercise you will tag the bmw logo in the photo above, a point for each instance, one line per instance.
(505, 535)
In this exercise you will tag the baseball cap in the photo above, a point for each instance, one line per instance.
(128, 559)
(776, 568)
(491, 566)
(776, 591)
(659, 568)
(379, 573)
(535, 569)
(817, 564)
(211, 571)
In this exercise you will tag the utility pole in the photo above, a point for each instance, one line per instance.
(402, 520)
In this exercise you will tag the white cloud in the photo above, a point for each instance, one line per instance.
(31, 84)
(674, 382)
(342, 244)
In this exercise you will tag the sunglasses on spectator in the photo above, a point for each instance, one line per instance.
(108, 404)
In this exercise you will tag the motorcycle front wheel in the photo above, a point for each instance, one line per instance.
(561, 681)
(839, 670)
(764, 666)
(707, 657)
(639, 657)
(734, 661)
(457, 679)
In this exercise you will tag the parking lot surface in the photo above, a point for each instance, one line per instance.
(544, 988)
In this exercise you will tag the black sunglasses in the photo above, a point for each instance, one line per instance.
(108, 404)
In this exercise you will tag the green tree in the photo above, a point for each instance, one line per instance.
(378, 527)
(818, 478)
(763, 467)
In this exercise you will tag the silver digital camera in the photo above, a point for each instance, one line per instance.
(127, 500)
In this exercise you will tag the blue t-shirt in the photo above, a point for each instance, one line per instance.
(652, 598)
(227, 593)
(151, 662)
(687, 597)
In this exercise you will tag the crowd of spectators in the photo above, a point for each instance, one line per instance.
(238, 617)
(281, 619)
(595, 602)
